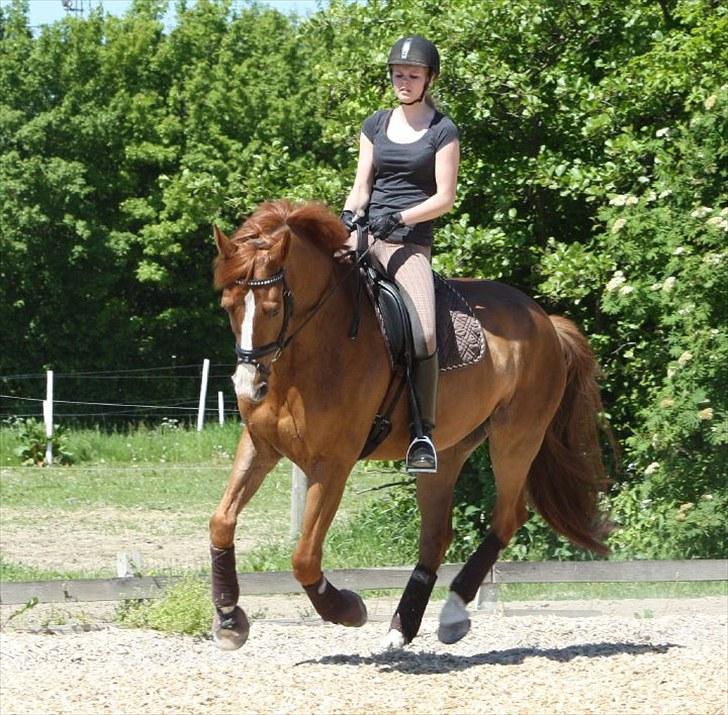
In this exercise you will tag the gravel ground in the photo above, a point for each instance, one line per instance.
(646, 657)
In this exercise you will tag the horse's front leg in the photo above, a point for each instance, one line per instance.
(253, 461)
(326, 486)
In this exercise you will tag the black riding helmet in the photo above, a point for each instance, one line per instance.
(415, 50)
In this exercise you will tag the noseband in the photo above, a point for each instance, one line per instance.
(252, 357)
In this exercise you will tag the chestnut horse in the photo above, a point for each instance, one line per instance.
(308, 392)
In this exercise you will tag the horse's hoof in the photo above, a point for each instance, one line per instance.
(230, 630)
(454, 620)
(394, 640)
(453, 632)
(355, 612)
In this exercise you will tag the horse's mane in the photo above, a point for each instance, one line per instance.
(270, 227)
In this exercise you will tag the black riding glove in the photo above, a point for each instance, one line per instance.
(348, 218)
(383, 226)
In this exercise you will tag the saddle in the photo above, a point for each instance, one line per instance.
(460, 339)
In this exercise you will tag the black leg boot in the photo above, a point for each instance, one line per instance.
(421, 455)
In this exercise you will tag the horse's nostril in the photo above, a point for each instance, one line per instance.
(262, 390)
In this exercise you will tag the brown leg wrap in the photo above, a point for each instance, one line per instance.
(408, 616)
(467, 582)
(342, 607)
(225, 589)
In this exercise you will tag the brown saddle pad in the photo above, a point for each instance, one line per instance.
(460, 337)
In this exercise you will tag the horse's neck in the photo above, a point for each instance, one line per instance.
(319, 284)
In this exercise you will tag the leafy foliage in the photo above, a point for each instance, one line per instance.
(30, 437)
(184, 608)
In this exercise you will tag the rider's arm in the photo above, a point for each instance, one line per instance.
(447, 161)
(361, 192)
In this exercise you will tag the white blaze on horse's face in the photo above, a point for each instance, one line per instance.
(244, 377)
(246, 329)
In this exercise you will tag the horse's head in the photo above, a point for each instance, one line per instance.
(254, 270)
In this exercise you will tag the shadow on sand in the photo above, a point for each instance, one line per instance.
(404, 661)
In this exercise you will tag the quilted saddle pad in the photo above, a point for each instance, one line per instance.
(460, 337)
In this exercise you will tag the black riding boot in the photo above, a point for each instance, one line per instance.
(421, 455)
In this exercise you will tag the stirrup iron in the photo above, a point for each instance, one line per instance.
(421, 456)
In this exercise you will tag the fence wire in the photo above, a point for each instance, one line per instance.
(125, 395)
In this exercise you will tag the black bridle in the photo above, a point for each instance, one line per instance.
(252, 357)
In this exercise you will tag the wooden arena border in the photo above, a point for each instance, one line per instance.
(367, 579)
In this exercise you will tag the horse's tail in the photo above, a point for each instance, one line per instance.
(568, 473)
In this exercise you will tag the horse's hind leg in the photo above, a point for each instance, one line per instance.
(434, 499)
(252, 463)
(511, 456)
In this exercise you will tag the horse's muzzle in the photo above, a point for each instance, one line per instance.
(249, 384)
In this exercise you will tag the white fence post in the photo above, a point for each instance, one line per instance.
(128, 565)
(48, 417)
(203, 394)
(220, 408)
(299, 485)
(486, 599)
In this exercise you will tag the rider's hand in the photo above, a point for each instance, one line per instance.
(383, 226)
(348, 218)
(347, 252)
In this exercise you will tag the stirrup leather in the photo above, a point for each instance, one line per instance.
(421, 456)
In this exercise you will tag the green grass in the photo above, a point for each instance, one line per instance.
(609, 591)
(186, 607)
(158, 487)
(138, 474)
(10, 571)
(188, 487)
(192, 489)
(185, 472)
(139, 444)
(162, 468)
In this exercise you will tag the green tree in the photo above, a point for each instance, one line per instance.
(593, 176)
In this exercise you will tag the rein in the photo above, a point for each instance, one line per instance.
(252, 357)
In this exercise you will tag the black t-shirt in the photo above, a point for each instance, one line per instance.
(404, 174)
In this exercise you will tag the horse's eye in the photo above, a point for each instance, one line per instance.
(270, 309)
(227, 301)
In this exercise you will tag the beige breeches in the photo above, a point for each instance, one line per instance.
(408, 265)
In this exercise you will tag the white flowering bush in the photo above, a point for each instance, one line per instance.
(658, 316)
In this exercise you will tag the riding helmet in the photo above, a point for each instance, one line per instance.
(415, 50)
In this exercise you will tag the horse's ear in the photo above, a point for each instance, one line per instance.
(280, 249)
(225, 247)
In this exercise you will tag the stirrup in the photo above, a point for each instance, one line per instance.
(421, 456)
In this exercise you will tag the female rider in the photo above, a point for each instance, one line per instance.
(406, 177)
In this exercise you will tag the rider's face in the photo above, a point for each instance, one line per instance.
(408, 81)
